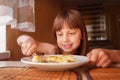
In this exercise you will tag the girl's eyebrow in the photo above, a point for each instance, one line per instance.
(58, 31)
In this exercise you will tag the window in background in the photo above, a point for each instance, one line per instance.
(97, 30)
(94, 18)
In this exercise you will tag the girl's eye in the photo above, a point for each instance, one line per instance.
(72, 33)
(59, 34)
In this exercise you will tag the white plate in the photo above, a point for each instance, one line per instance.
(80, 60)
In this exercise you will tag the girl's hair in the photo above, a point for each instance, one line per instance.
(74, 20)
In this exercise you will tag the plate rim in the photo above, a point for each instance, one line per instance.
(69, 63)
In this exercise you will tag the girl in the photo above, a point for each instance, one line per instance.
(71, 38)
(70, 34)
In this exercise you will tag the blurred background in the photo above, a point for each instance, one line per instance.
(102, 20)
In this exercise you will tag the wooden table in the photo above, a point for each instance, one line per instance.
(16, 70)
(34, 74)
(110, 73)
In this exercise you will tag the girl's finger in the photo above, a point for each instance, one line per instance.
(94, 57)
(103, 61)
(23, 48)
(89, 56)
(31, 50)
(107, 63)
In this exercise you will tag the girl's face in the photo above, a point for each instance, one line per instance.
(68, 39)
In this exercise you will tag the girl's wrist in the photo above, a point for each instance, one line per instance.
(114, 55)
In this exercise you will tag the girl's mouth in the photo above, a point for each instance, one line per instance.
(67, 46)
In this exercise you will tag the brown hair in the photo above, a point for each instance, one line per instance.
(74, 19)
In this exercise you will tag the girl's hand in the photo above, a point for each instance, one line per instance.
(100, 57)
(28, 44)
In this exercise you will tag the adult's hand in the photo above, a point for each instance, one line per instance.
(100, 57)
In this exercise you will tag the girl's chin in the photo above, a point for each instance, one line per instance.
(67, 52)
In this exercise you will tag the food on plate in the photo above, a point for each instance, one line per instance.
(54, 58)
(36, 58)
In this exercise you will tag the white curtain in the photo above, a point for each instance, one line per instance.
(18, 13)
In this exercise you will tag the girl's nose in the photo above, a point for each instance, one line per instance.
(65, 38)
